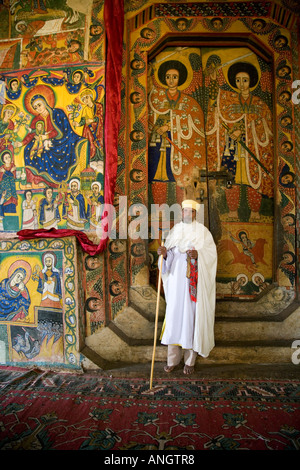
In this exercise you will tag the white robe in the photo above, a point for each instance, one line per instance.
(190, 324)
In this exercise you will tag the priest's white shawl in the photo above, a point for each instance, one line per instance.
(195, 235)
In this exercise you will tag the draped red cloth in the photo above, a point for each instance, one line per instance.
(87, 245)
(114, 26)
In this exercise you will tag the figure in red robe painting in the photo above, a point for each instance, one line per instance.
(176, 123)
(239, 132)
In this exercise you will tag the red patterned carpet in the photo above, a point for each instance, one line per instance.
(62, 411)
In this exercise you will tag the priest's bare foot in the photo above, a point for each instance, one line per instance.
(168, 369)
(188, 369)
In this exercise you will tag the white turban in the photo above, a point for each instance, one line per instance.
(190, 204)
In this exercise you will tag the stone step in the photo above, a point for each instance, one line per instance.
(258, 330)
(108, 344)
(144, 300)
(259, 334)
(134, 326)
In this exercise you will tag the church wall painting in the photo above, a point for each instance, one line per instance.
(240, 128)
(64, 137)
(143, 32)
(39, 303)
(47, 31)
(272, 187)
(51, 147)
(95, 293)
(48, 42)
(186, 130)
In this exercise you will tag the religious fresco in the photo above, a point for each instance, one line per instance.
(235, 136)
(39, 302)
(52, 55)
(52, 117)
(234, 104)
(239, 131)
(51, 150)
(176, 122)
(51, 144)
(44, 32)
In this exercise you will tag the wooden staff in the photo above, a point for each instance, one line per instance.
(156, 317)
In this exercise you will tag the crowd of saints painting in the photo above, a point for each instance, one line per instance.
(51, 149)
(210, 110)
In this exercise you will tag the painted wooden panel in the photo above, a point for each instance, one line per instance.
(247, 200)
(41, 314)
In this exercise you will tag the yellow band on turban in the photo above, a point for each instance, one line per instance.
(190, 204)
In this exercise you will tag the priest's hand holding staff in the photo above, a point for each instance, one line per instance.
(162, 250)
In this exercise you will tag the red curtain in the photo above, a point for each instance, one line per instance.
(114, 26)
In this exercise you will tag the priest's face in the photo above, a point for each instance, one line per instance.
(188, 215)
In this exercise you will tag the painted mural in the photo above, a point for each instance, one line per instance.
(51, 121)
(240, 140)
(204, 140)
(210, 111)
(52, 94)
(40, 300)
(220, 127)
(51, 148)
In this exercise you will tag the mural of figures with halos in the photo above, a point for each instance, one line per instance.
(239, 133)
(176, 121)
(211, 136)
(50, 133)
(52, 148)
(239, 130)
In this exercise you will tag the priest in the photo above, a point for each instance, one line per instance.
(189, 279)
